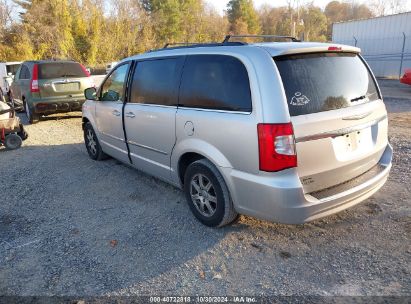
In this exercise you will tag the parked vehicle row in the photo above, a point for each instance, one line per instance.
(287, 132)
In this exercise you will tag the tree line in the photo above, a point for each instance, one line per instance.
(98, 31)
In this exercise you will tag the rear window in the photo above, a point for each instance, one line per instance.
(60, 69)
(325, 81)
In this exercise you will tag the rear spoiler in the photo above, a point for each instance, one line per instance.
(322, 49)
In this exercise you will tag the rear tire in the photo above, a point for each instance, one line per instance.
(207, 194)
(92, 144)
(31, 117)
(13, 142)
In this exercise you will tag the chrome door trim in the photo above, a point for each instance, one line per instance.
(340, 132)
(146, 147)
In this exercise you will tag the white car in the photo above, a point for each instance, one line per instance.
(7, 72)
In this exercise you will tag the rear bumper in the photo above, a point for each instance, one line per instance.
(281, 198)
(56, 105)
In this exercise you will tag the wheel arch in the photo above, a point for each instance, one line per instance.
(191, 150)
(84, 121)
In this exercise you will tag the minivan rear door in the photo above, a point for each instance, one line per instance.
(339, 119)
(60, 79)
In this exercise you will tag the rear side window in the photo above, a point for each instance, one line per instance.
(25, 73)
(325, 81)
(215, 82)
(60, 69)
(156, 81)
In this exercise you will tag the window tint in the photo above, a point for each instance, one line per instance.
(52, 70)
(24, 73)
(215, 82)
(325, 81)
(156, 81)
(113, 87)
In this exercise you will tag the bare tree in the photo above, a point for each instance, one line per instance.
(5, 14)
(388, 7)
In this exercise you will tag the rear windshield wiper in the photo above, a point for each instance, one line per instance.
(358, 98)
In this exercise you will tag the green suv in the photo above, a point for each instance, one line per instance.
(46, 87)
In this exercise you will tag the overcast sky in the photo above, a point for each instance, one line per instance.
(221, 4)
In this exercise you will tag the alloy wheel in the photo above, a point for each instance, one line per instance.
(203, 195)
(91, 142)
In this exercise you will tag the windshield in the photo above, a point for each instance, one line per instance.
(60, 69)
(325, 81)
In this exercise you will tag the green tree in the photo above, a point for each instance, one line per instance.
(274, 20)
(166, 18)
(314, 24)
(243, 17)
(48, 24)
(79, 29)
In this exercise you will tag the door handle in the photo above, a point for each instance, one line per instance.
(116, 113)
(130, 114)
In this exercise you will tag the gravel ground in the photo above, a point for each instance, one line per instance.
(73, 226)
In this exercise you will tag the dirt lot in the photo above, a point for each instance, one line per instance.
(72, 226)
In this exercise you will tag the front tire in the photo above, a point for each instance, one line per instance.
(31, 117)
(207, 194)
(92, 144)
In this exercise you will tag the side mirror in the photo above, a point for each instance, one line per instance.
(90, 94)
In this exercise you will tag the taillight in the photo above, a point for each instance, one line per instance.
(85, 70)
(276, 146)
(34, 85)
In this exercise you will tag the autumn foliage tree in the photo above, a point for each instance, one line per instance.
(98, 31)
(243, 17)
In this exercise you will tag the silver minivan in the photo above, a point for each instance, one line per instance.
(287, 132)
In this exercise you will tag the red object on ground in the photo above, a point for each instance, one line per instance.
(407, 77)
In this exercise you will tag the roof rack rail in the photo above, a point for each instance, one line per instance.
(179, 44)
(228, 37)
(183, 45)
